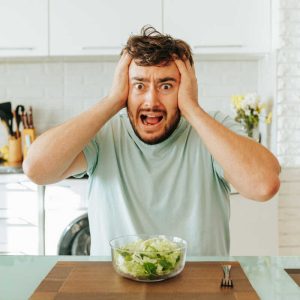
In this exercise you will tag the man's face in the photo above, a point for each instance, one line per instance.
(152, 101)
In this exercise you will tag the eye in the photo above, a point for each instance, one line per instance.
(166, 86)
(139, 86)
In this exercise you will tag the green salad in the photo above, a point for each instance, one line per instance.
(149, 259)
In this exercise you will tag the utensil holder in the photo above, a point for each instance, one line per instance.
(28, 136)
(14, 149)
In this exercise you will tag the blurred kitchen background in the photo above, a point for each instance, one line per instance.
(58, 56)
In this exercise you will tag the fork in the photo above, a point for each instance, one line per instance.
(226, 280)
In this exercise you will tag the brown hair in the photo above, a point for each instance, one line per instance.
(152, 48)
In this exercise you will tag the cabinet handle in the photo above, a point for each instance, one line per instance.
(16, 48)
(218, 46)
(101, 48)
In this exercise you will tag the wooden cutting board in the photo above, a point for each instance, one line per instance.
(98, 280)
(295, 274)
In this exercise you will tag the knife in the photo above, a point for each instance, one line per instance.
(30, 118)
(17, 127)
(24, 120)
(19, 109)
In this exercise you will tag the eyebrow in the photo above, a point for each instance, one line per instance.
(142, 79)
(167, 79)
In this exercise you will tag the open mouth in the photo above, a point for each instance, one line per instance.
(151, 120)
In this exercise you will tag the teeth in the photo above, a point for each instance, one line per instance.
(145, 119)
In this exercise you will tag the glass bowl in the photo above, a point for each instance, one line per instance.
(148, 258)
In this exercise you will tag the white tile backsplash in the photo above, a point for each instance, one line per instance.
(288, 55)
(290, 14)
(293, 149)
(290, 4)
(289, 29)
(60, 89)
(288, 124)
(292, 69)
(286, 96)
(288, 84)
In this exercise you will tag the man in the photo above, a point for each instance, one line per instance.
(162, 165)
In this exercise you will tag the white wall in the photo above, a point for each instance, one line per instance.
(288, 112)
(60, 89)
(288, 87)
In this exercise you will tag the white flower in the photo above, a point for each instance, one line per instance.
(251, 99)
(247, 112)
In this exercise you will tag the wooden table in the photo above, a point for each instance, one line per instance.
(98, 280)
(20, 276)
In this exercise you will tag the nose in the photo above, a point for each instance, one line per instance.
(152, 98)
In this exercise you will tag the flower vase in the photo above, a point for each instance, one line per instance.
(254, 133)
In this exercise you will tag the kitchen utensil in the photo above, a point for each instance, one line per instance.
(17, 127)
(6, 108)
(226, 280)
(5, 117)
(30, 118)
(24, 120)
(18, 111)
(148, 258)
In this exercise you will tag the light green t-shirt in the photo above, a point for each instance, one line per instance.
(174, 187)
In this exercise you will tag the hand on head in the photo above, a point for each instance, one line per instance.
(188, 88)
(120, 86)
(187, 93)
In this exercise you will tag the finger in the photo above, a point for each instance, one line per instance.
(125, 58)
(192, 72)
(181, 66)
(188, 66)
(122, 68)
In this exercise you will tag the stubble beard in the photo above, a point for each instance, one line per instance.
(168, 129)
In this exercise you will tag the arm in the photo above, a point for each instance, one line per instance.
(248, 166)
(57, 153)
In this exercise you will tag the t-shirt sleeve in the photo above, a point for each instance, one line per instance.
(231, 124)
(91, 153)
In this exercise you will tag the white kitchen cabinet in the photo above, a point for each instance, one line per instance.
(253, 227)
(23, 28)
(18, 215)
(101, 27)
(220, 26)
(93, 27)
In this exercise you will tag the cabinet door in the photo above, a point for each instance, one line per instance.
(18, 215)
(253, 227)
(23, 28)
(92, 27)
(220, 26)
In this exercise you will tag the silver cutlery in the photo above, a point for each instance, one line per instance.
(226, 280)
